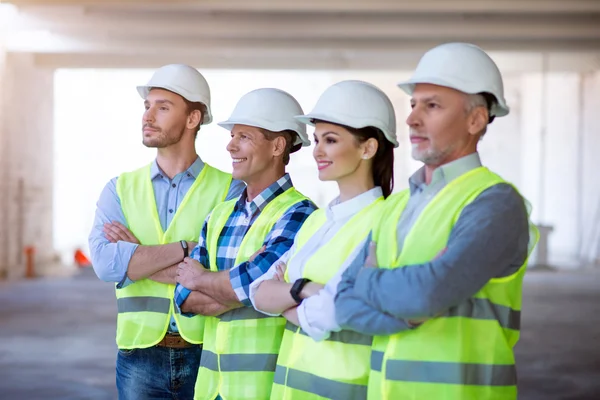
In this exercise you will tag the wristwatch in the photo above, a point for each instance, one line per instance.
(297, 288)
(184, 246)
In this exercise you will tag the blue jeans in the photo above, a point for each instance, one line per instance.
(157, 373)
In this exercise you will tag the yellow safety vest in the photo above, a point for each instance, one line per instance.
(338, 367)
(145, 307)
(468, 352)
(240, 346)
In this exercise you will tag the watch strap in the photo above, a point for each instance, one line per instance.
(297, 288)
(184, 246)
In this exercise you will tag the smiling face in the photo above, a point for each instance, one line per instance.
(253, 156)
(337, 152)
(441, 127)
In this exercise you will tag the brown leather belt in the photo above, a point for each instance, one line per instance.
(174, 341)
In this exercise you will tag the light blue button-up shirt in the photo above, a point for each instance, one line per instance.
(111, 260)
(490, 239)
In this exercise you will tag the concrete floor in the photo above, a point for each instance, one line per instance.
(57, 338)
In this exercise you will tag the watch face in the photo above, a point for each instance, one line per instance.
(184, 246)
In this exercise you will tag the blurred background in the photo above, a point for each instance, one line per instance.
(70, 120)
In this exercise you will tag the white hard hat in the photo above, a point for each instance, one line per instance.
(183, 80)
(461, 66)
(270, 109)
(356, 104)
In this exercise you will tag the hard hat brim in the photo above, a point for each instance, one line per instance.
(408, 87)
(298, 143)
(144, 90)
(308, 118)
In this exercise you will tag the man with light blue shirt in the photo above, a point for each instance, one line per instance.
(440, 286)
(146, 221)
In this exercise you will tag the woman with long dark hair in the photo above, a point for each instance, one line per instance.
(355, 136)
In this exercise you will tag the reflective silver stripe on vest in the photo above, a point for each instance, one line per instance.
(243, 313)
(376, 360)
(143, 303)
(280, 372)
(484, 309)
(347, 337)
(310, 383)
(209, 360)
(291, 327)
(451, 373)
(238, 362)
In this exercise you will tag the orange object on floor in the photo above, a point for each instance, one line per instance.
(81, 260)
(29, 262)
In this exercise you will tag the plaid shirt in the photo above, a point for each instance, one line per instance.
(278, 241)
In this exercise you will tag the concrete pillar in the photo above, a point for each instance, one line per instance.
(588, 181)
(560, 140)
(4, 153)
(26, 132)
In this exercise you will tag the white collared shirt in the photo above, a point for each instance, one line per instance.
(317, 313)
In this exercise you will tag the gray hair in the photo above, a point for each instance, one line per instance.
(473, 101)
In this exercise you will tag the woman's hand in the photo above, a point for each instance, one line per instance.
(280, 272)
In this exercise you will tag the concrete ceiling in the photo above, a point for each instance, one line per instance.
(380, 34)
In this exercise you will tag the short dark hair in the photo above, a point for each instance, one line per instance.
(288, 135)
(196, 106)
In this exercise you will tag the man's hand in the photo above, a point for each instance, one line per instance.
(116, 231)
(253, 256)
(441, 253)
(189, 273)
(413, 323)
(202, 304)
(371, 261)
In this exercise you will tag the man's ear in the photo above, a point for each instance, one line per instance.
(478, 120)
(194, 119)
(278, 146)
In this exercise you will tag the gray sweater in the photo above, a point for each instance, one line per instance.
(490, 239)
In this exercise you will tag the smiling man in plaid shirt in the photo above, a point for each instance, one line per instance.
(240, 241)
